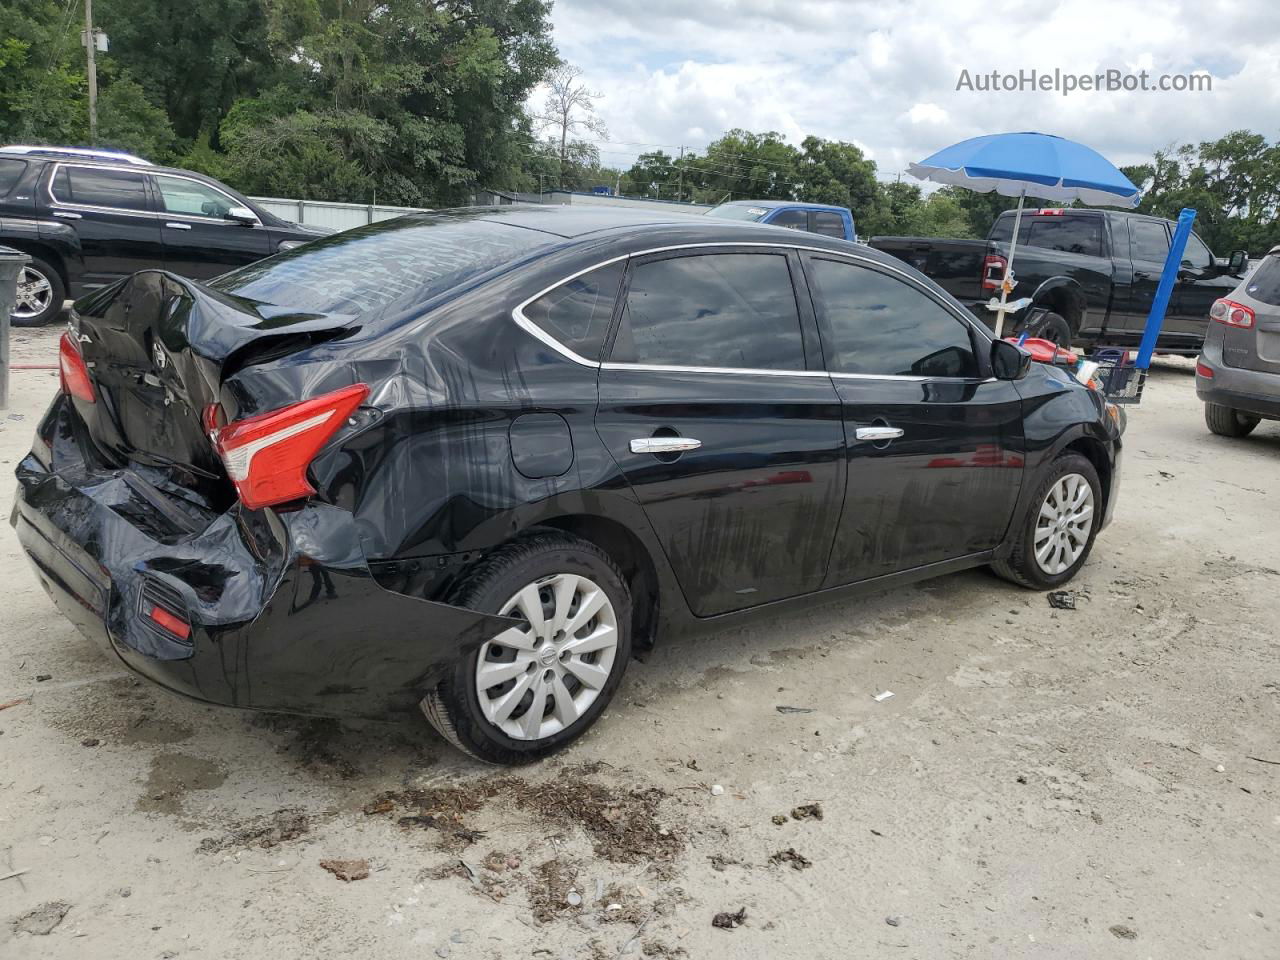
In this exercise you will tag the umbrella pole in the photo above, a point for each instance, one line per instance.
(1008, 266)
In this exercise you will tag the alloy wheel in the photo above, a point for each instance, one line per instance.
(1063, 525)
(536, 679)
(35, 292)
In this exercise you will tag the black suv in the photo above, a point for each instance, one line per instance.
(88, 218)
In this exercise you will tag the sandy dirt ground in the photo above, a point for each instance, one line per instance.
(1096, 782)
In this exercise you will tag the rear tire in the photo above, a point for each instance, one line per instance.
(41, 293)
(486, 704)
(1054, 328)
(1024, 565)
(1227, 422)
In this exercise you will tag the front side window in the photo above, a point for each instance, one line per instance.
(1197, 254)
(827, 224)
(121, 189)
(193, 199)
(577, 313)
(1082, 235)
(1148, 240)
(792, 219)
(712, 310)
(883, 326)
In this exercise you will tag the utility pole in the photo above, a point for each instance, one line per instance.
(680, 170)
(90, 51)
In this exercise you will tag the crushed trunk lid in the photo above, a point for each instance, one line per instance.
(158, 348)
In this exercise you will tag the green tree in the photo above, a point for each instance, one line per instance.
(42, 83)
(192, 59)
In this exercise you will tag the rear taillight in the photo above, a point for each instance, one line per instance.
(72, 370)
(1232, 314)
(993, 267)
(267, 456)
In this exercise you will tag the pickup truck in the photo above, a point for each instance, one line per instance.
(811, 217)
(1091, 275)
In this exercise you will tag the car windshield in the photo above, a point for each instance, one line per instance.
(737, 211)
(407, 260)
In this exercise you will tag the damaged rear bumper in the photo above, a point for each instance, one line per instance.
(284, 614)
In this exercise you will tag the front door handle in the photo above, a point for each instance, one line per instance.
(179, 226)
(878, 434)
(67, 214)
(665, 444)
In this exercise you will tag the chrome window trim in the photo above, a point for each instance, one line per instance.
(517, 314)
(197, 217)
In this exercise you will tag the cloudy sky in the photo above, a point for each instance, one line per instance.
(883, 73)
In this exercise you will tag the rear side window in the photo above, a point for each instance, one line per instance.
(827, 224)
(577, 313)
(1264, 285)
(712, 310)
(1148, 240)
(10, 173)
(1082, 235)
(121, 189)
(885, 327)
(403, 261)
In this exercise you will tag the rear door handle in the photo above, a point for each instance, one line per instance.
(67, 214)
(664, 444)
(179, 226)
(878, 433)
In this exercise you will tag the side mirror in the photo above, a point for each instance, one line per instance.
(1238, 263)
(1009, 361)
(243, 215)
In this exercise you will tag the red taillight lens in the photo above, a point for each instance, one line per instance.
(993, 266)
(72, 370)
(1232, 314)
(167, 621)
(267, 456)
(1204, 370)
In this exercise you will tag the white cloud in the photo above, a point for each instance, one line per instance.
(883, 74)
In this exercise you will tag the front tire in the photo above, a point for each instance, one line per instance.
(1056, 533)
(535, 688)
(41, 293)
(1227, 422)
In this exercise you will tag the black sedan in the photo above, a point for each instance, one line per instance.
(472, 460)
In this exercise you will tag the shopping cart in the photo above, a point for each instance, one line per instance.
(1117, 377)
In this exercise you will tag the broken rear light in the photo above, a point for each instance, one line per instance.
(73, 372)
(267, 456)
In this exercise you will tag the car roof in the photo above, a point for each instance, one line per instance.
(50, 152)
(629, 229)
(774, 204)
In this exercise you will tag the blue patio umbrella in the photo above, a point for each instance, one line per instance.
(1028, 165)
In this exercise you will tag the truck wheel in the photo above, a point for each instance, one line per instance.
(1226, 422)
(533, 689)
(1055, 534)
(40, 295)
(1054, 328)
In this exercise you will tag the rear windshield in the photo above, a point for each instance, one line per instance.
(1264, 285)
(408, 260)
(1064, 233)
(737, 211)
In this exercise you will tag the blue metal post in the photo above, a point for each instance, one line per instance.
(1160, 303)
